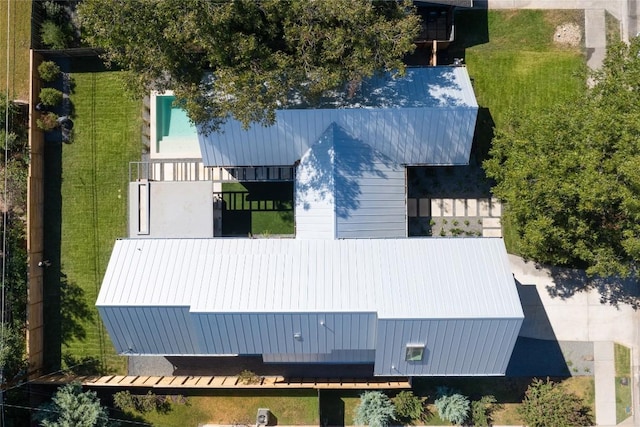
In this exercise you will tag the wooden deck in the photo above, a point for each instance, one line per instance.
(224, 382)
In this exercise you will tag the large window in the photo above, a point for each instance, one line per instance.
(415, 352)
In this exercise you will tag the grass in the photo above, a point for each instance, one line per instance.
(18, 43)
(257, 208)
(87, 204)
(298, 407)
(516, 68)
(622, 358)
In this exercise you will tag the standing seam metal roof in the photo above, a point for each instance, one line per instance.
(396, 278)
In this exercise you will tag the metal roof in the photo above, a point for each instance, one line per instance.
(426, 117)
(395, 278)
(346, 189)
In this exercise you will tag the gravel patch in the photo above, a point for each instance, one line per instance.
(568, 34)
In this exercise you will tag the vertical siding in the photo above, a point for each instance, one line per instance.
(150, 330)
(452, 346)
(273, 333)
(337, 356)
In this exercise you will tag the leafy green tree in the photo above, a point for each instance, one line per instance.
(452, 406)
(548, 404)
(409, 407)
(481, 411)
(245, 58)
(375, 409)
(570, 175)
(71, 407)
(54, 35)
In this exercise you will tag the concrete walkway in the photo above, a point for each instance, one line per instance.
(555, 310)
(595, 37)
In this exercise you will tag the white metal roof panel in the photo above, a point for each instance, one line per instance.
(426, 117)
(397, 278)
(346, 189)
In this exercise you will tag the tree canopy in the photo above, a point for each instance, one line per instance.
(71, 407)
(548, 404)
(570, 175)
(245, 58)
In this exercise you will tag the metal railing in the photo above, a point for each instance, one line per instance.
(194, 170)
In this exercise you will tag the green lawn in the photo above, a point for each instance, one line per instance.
(290, 407)
(516, 67)
(19, 43)
(85, 211)
(258, 208)
(622, 357)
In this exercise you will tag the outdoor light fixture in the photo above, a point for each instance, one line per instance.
(297, 336)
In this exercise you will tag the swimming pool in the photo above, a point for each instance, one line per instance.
(172, 134)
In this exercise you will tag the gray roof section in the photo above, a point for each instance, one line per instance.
(170, 209)
(346, 189)
(426, 117)
(397, 278)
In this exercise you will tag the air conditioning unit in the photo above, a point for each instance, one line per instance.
(262, 419)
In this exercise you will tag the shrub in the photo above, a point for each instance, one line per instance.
(49, 71)
(52, 10)
(409, 407)
(53, 35)
(50, 96)
(548, 404)
(124, 401)
(375, 409)
(481, 411)
(48, 121)
(248, 377)
(452, 407)
(146, 402)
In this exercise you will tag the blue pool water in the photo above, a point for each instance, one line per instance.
(172, 121)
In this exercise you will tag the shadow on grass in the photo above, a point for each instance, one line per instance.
(65, 308)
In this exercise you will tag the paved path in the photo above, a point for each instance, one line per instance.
(595, 39)
(579, 316)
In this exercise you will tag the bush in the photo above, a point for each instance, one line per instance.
(375, 409)
(409, 407)
(50, 96)
(52, 10)
(452, 407)
(548, 404)
(49, 71)
(53, 35)
(48, 122)
(481, 411)
(124, 401)
(247, 377)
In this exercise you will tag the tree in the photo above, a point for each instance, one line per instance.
(569, 175)
(375, 409)
(409, 407)
(245, 58)
(548, 404)
(452, 406)
(71, 407)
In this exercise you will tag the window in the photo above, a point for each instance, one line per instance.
(415, 352)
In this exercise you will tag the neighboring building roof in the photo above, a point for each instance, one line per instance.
(425, 117)
(395, 278)
(346, 189)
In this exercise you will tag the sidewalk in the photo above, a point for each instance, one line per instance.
(579, 317)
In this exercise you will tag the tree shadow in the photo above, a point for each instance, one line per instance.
(332, 170)
(613, 290)
(74, 311)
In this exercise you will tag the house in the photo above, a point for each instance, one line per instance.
(410, 307)
(350, 287)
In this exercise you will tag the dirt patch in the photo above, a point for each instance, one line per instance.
(567, 34)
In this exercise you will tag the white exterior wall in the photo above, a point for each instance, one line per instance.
(452, 346)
